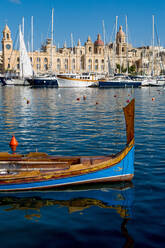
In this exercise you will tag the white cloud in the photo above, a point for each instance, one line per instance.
(15, 1)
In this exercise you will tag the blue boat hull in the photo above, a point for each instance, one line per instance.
(53, 83)
(124, 170)
(111, 84)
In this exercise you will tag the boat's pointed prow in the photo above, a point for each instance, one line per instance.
(129, 111)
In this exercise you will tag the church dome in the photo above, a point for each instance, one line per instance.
(99, 42)
(120, 33)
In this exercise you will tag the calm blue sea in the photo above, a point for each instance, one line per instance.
(101, 215)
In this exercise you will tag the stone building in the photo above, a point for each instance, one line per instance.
(92, 57)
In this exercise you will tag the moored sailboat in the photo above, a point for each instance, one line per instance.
(48, 80)
(26, 70)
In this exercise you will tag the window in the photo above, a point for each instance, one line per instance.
(90, 49)
(90, 64)
(66, 64)
(45, 67)
(38, 59)
(45, 60)
(73, 64)
(96, 64)
(7, 35)
(18, 66)
(58, 64)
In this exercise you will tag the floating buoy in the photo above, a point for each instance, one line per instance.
(84, 97)
(128, 94)
(13, 141)
(153, 99)
(127, 101)
(13, 148)
(78, 99)
(97, 103)
(13, 144)
(115, 95)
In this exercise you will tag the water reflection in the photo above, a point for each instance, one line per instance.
(116, 198)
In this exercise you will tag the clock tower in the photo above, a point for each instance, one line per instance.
(7, 47)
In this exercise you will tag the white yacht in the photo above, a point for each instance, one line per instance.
(77, 80)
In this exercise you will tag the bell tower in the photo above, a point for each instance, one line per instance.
(7, 47)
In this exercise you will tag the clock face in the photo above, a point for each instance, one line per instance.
(8, 46)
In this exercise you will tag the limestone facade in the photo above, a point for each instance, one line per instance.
(92, 57)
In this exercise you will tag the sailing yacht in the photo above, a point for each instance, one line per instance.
(26, 70)
(48, 80)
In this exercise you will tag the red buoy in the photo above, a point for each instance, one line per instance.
(13, 148)
(13, 141)
(127, 101)
(78, 99)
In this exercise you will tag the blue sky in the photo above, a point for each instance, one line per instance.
(83, 18)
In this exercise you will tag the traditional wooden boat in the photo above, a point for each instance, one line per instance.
(40, 171)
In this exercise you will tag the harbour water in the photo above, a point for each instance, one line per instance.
(101, 215)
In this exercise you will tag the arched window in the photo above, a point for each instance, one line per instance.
(73, 64)
(102, 65)
(90, 49)
(45, 60)
(45, 67)
(66, 64)
(7, 36)
(90, 64)
(58, 64)
(96, 64)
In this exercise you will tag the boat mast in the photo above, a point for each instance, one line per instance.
(51, 63)
(104, 47)
(114, 52)
(32, 39)
(20, 54)
(23, 27)
(71, 36)
(127, 44)
(152, 73)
